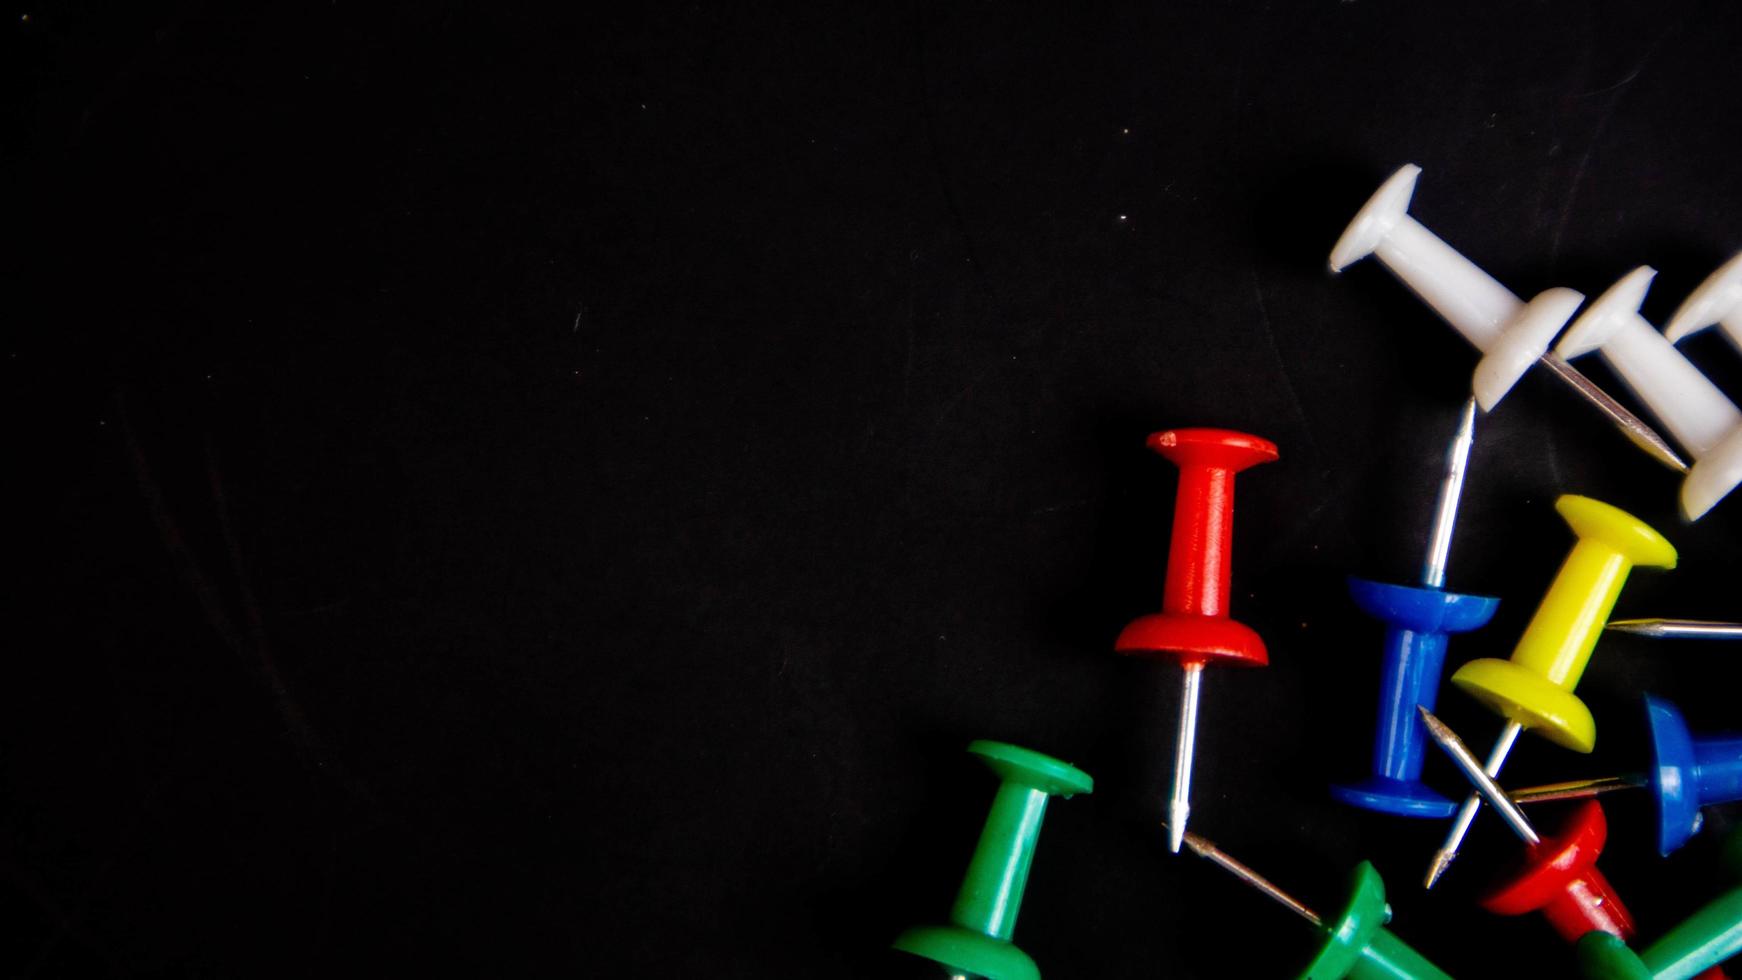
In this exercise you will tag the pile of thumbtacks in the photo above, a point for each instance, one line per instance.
(1557, 874)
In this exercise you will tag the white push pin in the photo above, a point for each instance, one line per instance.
(1693, 409)
(1718, 300)
(1511, 334)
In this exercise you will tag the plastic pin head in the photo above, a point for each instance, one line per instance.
(1712, 477)
(977, 942)
(1687, 773)
(1522, 343)
(1560, 879)
(1388, 206)
(1696, 413)
(1418, 624)
(1360, 946)
(1718, 300)
(1535, 687)
(1630, 538)
(1608, 314)
(1194, 624)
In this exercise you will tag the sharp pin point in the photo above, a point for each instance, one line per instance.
(1442, 860)
(1630, 425)
(1678, 629)
(1193, 627)
(1484, 783)
(1466, 815)
(1698, 414)
(1535, 686)
(1205, 849)
(1357, 942)
(1451, 489)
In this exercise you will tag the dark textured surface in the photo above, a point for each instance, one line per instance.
(525, 493)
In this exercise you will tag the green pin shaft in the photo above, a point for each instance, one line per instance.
(1704, 939)
(977, 943)
(992, 889)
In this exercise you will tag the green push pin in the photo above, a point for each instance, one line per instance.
(1357, 944)
(1708, 937)
(977, 943)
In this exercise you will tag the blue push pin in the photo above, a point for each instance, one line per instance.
(1418, 620)
(1687, 773)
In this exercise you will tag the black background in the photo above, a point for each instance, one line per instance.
(514, 492)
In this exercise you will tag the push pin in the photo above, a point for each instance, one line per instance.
(1677, 629)
(1357, 944)
(1710, 936)
(1693, 409)
(1418, 621)
(1535, 688)
(1194, 627)
(1687, 773)
(1511, 334)
(1560, 877)
(977, 943)
(1718, 300)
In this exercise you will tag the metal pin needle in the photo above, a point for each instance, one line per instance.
(1484, 783)
(1640, 434)
(1179, 804)
(1467, 813)
(1577, 789)
(1433, 573)
(1203, 848)
(1678, 629)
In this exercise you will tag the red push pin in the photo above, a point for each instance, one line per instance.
(1560, 879)
(1193, 626)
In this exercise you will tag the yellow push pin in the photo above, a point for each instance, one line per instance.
(1534, 689)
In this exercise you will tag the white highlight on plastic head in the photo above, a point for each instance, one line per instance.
(1718, 300)
(1487, 314)
(1696, 413)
